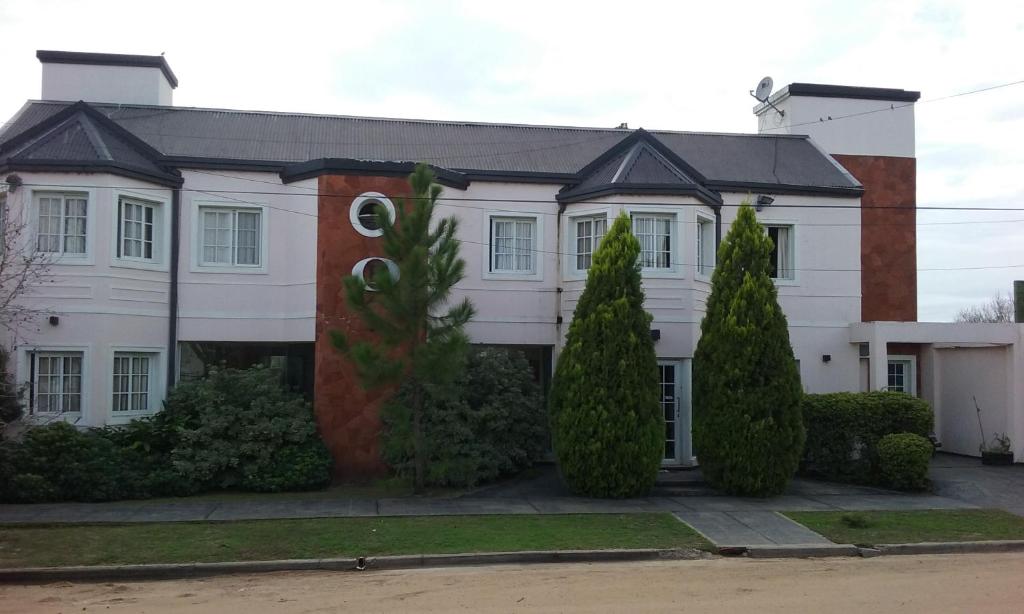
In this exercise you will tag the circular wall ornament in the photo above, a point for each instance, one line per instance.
(367, 268)
(363, 213)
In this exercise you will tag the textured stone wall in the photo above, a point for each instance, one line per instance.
(888, 236)
(348, 415)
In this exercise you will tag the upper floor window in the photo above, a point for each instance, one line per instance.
(589, 232)
(656, 236)
(57, 382)
(136, 229)
(783, 248)
(513, 245)
(61, 223)
(705, 239)
(230, 236)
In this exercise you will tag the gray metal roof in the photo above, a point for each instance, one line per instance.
(187, 135)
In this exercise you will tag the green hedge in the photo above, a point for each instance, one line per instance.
(844, 428)
(903, 460)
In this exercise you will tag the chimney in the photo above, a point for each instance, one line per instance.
(870, 132)
(107, 77)
(1018, 301)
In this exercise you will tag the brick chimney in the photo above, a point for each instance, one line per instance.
(107, 77)
(870, 131)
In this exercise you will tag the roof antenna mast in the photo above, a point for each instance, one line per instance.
(763, 91)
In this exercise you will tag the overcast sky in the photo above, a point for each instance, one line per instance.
(672, 65)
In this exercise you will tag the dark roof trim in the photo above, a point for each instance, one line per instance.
(109, 59)
(227, 164)
(98, 166)
(671, 189)
(783, 188)
(517, 176)
(636, 136)
(347, 166)
(848, 91)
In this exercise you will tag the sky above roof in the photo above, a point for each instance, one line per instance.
(659, 65)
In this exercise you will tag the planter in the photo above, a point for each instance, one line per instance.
(997, 458)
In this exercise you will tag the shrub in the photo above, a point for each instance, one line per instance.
(78, 465)
(10, 404)
(903, 460)
(238, 421)
(747, 426)
(490, 422)
(607, 425)
(843, 430)
(305, 466)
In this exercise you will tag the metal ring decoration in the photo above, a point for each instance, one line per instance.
(360, 270)
(359, 218)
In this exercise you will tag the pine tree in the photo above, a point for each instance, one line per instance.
(607, 425)
(418, 337)
(747, 427)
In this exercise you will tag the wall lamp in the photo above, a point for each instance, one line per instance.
(763, 200)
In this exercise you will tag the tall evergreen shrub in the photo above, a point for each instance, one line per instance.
(607, 426)
(747, 426)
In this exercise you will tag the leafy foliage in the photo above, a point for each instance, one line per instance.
(903, 460)
(412, 342)
(607, 425)
(490, 422)
(747, 427)
(844, 428)
(10, 406)
(235, 429)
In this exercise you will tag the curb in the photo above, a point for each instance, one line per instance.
(30, 575)
(1014, 545)
(800, 551)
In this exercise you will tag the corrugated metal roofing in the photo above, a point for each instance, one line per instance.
(498, 148)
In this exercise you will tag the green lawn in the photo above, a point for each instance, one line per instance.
(913, 526)
(56, 545)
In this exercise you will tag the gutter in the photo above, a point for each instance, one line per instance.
(718, 229)
(172, 302)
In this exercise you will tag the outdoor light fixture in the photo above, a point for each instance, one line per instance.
(826, 358)
(54, 320)
(763, 200)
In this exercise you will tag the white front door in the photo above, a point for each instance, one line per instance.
(674, 394)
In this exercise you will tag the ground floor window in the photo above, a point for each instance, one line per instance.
(133, 377)
(56, 382)
(293, 361)
(901, 376)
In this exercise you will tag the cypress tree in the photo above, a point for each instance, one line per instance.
(419, 337)
(607, 425)
(747, 427)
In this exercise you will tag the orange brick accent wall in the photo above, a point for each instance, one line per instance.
(888, 236)
(348, 415)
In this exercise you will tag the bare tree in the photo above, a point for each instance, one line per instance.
(22, 267)
(999, 308)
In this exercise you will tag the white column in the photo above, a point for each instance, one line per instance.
(879, 378)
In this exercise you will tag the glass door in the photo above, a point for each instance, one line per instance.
(668, 387)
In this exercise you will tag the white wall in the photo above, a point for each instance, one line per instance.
(887, 132)
(119, 84)
(973, 372)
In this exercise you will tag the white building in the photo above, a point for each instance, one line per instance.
(181, 237)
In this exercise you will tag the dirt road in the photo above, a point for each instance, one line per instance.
(950, 583)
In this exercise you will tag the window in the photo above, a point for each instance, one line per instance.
(132, 379)
(363, 213)
(901, 376)
(705, 246)
(589, 232)
(57, 382)
(781, 266)
(230, 237)
(135, 229)
(655, 234)
(513, 245)
(61, 223)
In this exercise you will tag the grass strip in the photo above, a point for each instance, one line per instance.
(63, 545)
(910, 527)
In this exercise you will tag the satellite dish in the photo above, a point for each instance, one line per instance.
(764, 89)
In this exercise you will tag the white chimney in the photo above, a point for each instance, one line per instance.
(107, 77)
(863, 121)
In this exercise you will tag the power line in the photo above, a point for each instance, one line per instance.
(893, 107)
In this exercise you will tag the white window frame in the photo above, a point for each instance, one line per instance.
(675, 270)
(574, 237)
(357, 205)
(161, 233)
(793, 279)
(910, 377)
(154, 388)
(537, 274)
(705, 250)
(198, 211)
(62, 257)
(28, 360)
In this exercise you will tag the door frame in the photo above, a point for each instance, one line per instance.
(684, 443)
